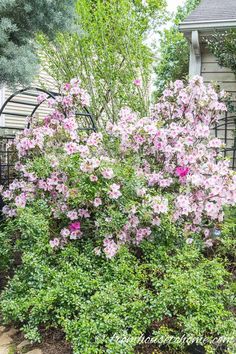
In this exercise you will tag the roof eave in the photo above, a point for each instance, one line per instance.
(207, 25)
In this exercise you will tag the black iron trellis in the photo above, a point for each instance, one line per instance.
(7, 133)
(225, 129)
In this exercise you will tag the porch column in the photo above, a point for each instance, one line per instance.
(195, 55)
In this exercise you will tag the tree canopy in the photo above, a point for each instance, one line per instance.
(20, 21)
(173, 59)
(223, 46)
(108, 55)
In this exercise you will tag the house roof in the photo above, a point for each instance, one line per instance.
(211, 14)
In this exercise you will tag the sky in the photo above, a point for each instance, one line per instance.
(172, 4)
(153, 38)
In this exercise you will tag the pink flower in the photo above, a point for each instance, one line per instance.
(178, 84)
(89, 165)
(137, 82)
(114, 192)
(70, 124)
(75, 226)
(72, 215)
(93, 178)
(94, 139)
(160, 205)
(97, 251)
(110, 248)
(207, 232)
(108, 173)
(215, 143)
(141, 192)
(83, 213)
(97, 202)
(20, 200)
(74, 235)
(67, 101)
(181, 171)
(65, 232)
(55, 242)
(83, 150)
(142, 233)
(42, 97)
(208, 243)
(71, 148)
(7, 194)
(156, 221)
(67, 87)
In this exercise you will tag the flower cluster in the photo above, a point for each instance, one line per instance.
(116, 186)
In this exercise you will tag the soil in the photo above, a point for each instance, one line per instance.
(53, 342)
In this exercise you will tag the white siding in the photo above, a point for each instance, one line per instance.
(212, 72)
(12, 121)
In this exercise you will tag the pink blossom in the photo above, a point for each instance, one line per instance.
(110, 247)
(133, 222)
(207, 232)
(71, 148)
(7, 194)
(181, 171)
(137, 82)
(70, 124)
(67, 87)
(142, 233)
(215, 143)
(75, 226)
(93, 178)
(67, 101)
(156, 221)
(83, 150)
(20, 200)
(74, 235)
(159, 205)
(72, 215)
(83, 213)
(97, 251)
(65, 232)
(108, 173)
(148, 154)
(42, 97)
(89, 165)
(114, 192)
(209, 243)
(94, 139)
(97, 202)
(141, 192)
(55, 243)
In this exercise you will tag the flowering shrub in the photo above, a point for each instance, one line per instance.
(118, 185)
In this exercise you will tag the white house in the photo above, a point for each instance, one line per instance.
(208, 17)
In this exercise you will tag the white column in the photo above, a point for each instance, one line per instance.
(195, 55)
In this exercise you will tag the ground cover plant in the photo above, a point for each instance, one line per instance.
(121, 233)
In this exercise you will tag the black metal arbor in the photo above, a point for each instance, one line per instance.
(19, 106)
(225, 129)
